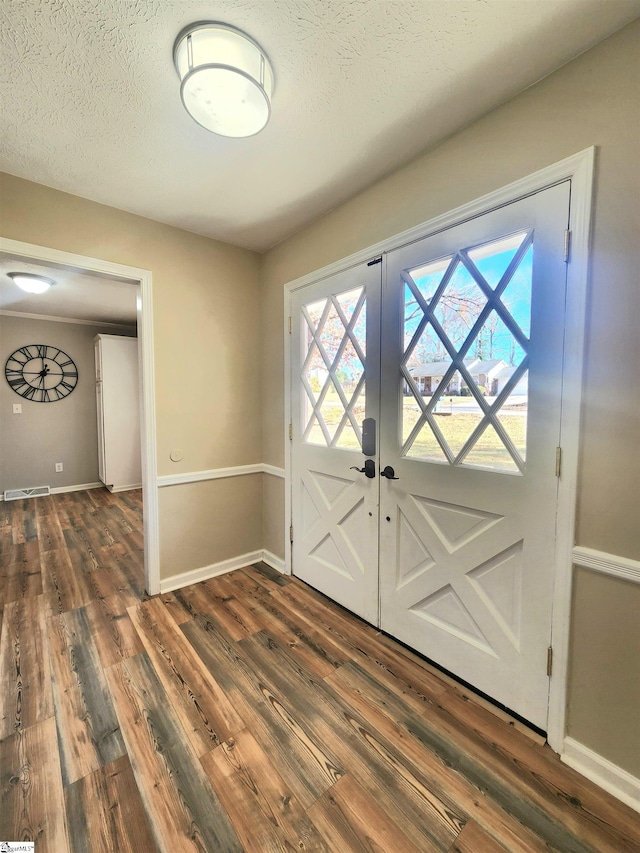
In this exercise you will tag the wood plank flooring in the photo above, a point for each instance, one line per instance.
(245, 713)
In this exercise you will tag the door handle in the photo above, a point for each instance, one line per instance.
(389, 473)
(369, 469)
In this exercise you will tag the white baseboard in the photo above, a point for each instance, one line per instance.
(60, 490)
(612, 778)
(212, 571)
(114, 489)
(215, 569)
(274, 561)
(82, 487)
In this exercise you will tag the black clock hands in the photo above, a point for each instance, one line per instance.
(56, 379)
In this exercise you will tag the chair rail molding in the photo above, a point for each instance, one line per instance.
(218, 474)
(607, 564)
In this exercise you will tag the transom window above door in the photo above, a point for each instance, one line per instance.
(464, 370)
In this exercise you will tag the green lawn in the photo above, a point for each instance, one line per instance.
(456, 426)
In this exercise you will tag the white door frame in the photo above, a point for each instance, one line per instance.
(578, 168)
(146, 378)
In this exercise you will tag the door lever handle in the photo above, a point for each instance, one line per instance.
(389, 473)
(369, 469)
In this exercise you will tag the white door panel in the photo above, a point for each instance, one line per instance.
(476, 464)
(335, 339)
(458, 355)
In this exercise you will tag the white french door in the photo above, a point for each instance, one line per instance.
(450, 547)
(335, 357)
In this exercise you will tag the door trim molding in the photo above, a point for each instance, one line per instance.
(579, 169)
(146, 369)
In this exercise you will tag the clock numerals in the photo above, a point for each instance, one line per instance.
(41, 373)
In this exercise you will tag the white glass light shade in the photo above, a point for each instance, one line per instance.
(30, 282)
(227, 79)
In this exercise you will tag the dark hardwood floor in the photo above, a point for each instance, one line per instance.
(246, 712)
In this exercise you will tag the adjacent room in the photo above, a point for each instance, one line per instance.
(320, 520)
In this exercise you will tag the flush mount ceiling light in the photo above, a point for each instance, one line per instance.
(227, 79)
(30, 282)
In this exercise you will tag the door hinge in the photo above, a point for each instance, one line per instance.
(567, 245)
(289, 325)
(291, 534)
(290, 432)
(558, 461)
(549, 661)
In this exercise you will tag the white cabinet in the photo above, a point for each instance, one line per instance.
(117, 397)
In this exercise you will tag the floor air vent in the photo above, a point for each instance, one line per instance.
(35, 492)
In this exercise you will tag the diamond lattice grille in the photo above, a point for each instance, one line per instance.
(464, 368)
(333, 372)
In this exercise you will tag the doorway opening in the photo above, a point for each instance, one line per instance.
(91, 298)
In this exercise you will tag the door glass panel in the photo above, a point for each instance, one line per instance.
(331, 411)
(490, 452)
(348, 302)
(427, 278)
(513, 415)
(516, 297)
(442, 394)
(493, 343)
(334, 335)
(457, 424)
(492, 259)
(348, 438)
(426, 446)
(459, 305)
(428, 349)
(410, 416)
(314, 433)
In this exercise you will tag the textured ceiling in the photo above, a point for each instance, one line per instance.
(91, 100)
(76, 295)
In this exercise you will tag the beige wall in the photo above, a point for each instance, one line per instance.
(591, 101)
(223, 518)
(273, 516)
(604, 702)
(206, 313)
(45, 433)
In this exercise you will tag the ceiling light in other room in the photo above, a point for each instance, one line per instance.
(30, 282)
(227, 79)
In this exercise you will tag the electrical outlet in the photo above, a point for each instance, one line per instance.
(58, 467)
(17, 408)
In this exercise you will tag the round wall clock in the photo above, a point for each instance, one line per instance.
(41, 373)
